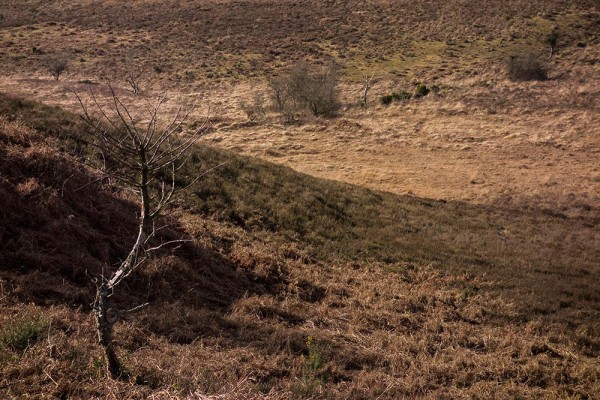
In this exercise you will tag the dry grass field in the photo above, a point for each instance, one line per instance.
(440, 247)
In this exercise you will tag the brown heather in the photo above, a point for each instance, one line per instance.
(230, 313)
(445, 247)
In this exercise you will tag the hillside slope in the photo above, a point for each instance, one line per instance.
(401, 296)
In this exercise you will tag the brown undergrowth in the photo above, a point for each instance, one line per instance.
(190, 42)
(294, 286)
(232, 311)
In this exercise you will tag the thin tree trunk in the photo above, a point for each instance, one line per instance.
(131, 261)
(104, 322)
(365, 91)
(104, 325)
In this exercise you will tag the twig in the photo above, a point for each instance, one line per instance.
(134, 309)
(167, 243)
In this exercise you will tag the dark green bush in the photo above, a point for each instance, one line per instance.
(401, 96)
(387, 99)
(422, 90)
(552, 41)
(395, 96)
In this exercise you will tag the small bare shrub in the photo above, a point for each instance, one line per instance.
(279, 96)
(133, 77)
(281, 99)
(527, 67)
(56, 66)
(317, 90)
(303, 88)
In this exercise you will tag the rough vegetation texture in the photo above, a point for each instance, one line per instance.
(191, 40)
(441, 246)
(231, 312)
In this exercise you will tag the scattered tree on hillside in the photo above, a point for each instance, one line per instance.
(133, 77)
(282, 101)
(145, 157)
(368, 80)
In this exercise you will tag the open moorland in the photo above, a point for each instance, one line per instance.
(445, 246)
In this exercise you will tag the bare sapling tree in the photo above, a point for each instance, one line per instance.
(282, 100)
(133, 77)
(145, 156)
(315, 89)
(367, 82)
(255, 110)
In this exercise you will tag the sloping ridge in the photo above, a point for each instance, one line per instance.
(62, 227)
(401, 297)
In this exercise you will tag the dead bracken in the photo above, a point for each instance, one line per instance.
(383, 204)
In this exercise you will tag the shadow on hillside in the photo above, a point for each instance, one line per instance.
(60, 227)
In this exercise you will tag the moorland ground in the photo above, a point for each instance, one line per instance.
(471, 270)
(481, 139)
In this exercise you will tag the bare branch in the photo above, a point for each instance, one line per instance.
(134, 309)
(167, 243)
(151, 130)
(130, 126)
